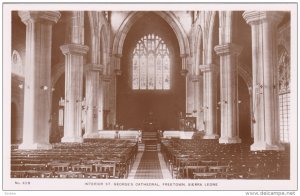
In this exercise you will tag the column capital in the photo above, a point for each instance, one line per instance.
(94, 67)
(184, 55)
(117, 55)
(256, 17)
(208, 68)
(74, 49)
(106, 78)
(195, 78)
(227, 49)
(48, 16)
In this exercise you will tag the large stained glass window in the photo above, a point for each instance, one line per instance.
(151, 64)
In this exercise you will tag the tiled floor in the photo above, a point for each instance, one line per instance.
(149, 167)
(144, 169)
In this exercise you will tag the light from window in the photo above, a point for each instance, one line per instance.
(284, 95)
(284, 111)
(151, 64)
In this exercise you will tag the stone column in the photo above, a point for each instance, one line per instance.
(251, 110)
(117, 59)
(190, 95)
(265, 80)
(106, 79)
(92, 86)
(113, 89)
(197, 106)
(100, 100)
(73, 91)
(209, 101)
(37, 90)
(229, 92)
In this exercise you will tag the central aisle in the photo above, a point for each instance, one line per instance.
(149, 167)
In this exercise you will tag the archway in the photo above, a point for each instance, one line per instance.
(244, 110)
(164, 104)
(58, 93)
(168, 17)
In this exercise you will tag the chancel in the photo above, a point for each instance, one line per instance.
(150, 123)
(150, 94)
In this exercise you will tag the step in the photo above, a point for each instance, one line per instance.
(149, 138)
(151, 147)
(149, 134)
(141, 147)
(150, 150)
(149, 141)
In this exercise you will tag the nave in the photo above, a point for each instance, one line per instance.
(122, 94)
(177, 159)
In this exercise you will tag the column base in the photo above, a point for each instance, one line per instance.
(87, 135)
(35, 146)
(264, 146)
(228, 140)
(91, 135)
(72, 140)
(212, 136)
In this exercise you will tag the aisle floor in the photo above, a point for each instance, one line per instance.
(149, 165)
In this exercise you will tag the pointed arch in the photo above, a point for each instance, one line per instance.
(199, 46)
(104, 47)
(58, 72)
(169, 17)
(246, 75)
(101, 38)
(208, 27)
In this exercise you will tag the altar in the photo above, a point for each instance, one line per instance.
(150, 124)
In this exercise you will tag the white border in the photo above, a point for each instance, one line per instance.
(79, 184)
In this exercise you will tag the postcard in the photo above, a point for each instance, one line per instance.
(150, 96)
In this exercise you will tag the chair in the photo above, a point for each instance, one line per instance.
(209, 175)
(82, 167)
(58, 166)
(191, 169)
(102, 175)
(109, 168)
(220, 170)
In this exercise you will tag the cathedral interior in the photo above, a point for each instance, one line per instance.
(150, 94)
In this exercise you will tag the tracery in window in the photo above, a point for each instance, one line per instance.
(284, 95)
(284, 72)
(151, 64)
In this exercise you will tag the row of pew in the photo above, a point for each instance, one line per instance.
(201, 158)
(100, 158)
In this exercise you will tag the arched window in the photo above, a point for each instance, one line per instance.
(284, 95)
(17, 66)
(151, 64)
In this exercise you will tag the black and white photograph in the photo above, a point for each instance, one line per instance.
(150, 96)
